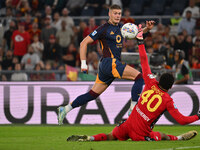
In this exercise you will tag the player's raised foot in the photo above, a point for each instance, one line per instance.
(61, 114)
(79, 138)
(189, 135)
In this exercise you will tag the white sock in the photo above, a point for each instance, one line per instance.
(68, 108)
(179, 138)
(133, 103)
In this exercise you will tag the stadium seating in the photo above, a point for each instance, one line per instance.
(158, 6)
(136, 7)
(168, 11)
(104, 12)
(147, 7)
(149, 12)
(87, 11)
(177, 5)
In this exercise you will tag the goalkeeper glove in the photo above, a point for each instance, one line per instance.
(139, 36)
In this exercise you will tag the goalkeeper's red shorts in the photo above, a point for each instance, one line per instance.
(122, 133)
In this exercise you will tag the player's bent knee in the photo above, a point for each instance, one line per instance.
(139, 76)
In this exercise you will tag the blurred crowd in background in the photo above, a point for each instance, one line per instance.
(40, 35)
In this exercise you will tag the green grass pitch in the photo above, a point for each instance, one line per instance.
(46, 137)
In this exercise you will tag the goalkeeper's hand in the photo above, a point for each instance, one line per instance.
(139, 36)
(84, 66)
(140, 33)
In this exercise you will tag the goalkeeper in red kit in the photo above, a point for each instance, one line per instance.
(153, 102)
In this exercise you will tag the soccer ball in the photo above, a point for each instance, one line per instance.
(129, 31)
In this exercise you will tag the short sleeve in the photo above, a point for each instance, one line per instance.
(96, 34)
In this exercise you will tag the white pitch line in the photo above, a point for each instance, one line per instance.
(166, 149)
(188, 147)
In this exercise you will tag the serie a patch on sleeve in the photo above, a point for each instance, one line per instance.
(94, 33)
(151, 76)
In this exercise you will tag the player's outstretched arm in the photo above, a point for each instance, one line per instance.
(83, 51)
(181, 119)
(142, 52)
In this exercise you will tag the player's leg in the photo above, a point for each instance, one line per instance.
(158, 136)
(186, 136)
(102, 137)
(103, 80)
(162, 136)
(98, 137)
(121, 131)
(118, 131)
(124, 71)
(133, 74)
(96, 90)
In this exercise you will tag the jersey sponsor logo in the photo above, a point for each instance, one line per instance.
(94, 32)
(111, 33)
(19, 38)
(142, 114)
(151, 76)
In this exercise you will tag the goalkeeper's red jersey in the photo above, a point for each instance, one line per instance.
(153, 103)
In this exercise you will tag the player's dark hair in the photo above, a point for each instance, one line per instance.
(114, 7)
(166, 81)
